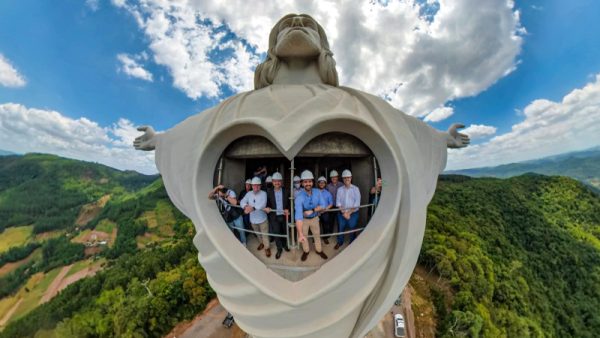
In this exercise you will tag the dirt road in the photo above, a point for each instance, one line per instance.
(207, 325)
(53, 288)
(10, 312)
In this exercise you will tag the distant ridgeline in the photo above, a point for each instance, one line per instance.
(583, 166)
(520, 256)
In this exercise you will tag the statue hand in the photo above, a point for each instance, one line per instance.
(454, 139)
(146, 141)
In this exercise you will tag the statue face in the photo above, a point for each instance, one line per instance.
(298, 37)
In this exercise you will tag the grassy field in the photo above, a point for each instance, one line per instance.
(164, 218)
(36, 288)
(15, 236)
(44, 236)
(106, 226)
(150, 218)
(148, 237)
(84, 264)
(31, 293)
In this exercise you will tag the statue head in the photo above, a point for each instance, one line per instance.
(297, 36)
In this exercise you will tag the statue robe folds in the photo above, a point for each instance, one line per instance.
(349, 294)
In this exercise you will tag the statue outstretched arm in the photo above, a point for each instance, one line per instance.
(454, 139)
(147, 141)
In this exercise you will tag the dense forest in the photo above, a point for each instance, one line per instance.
(521, 256)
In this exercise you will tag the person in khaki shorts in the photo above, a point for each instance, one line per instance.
(253, 203)
(307, 206)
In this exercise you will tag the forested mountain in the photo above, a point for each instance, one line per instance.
(522, 257)
(6, 152)
(517, 257)
(47, 191)
(582, 165)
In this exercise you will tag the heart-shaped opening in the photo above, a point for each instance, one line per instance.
(331, 231)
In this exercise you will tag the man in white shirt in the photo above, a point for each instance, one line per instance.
(348, 200)
(253, 203)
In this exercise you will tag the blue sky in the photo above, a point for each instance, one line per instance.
(77, 76)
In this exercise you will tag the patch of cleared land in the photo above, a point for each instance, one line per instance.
(91, 236)
(164, 218)
(28, 296)
(147, 238)
(89, 211)
(15, 236)
(150, 218)
(85, 264)
(41, 287)
(106, 225)
(10, 267)
(49, 234)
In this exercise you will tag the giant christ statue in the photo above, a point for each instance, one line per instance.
(296, 98)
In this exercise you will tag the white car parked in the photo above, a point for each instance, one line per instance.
(399, 325)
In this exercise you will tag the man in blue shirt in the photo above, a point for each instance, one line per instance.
(307, 206)
(325, 216)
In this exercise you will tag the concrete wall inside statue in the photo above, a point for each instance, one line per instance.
(363, 178)
(233, 174)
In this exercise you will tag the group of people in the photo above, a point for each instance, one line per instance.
(264, 206)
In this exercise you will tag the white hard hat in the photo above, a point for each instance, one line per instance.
(346, 173)
(277, 176)
(256, 180)
(269, 179)
(248, 181)
(296, 179)
(322, 178)
(307, 175)
(333, 173)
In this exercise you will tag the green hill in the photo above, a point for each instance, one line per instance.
(521, 255)
(48, 191)
(583, 166)
(518, 257)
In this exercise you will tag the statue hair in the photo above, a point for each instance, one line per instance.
(266, 71)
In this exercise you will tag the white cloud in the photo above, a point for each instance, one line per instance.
(439, 114)
(476, 131)
(410, 52)
(94, 5)
(24, 129)
(548, 128)
(130, 66)
(9, 76)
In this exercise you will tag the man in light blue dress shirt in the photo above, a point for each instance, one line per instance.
(307, 206)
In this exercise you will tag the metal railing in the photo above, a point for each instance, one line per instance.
(293, 225)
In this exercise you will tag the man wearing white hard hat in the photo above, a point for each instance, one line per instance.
(307, 206)
(325, 217)
(278, 206)
(227, 203)
(333, 187)
(269, 182)
(348, 200)
(247, 189)
(297, 185)
(253, 203)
